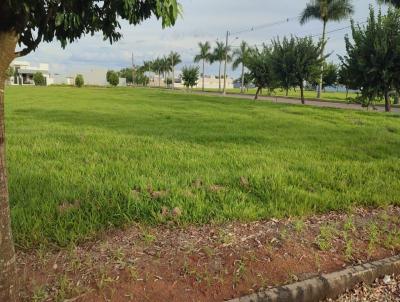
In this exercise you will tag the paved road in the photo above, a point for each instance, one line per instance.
(315, 103)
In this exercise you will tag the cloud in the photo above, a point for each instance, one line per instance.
(202, 20)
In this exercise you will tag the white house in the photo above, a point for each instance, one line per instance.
(24, 71)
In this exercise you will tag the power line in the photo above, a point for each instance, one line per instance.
(262, 26)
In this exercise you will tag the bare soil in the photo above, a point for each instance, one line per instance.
(207, 263)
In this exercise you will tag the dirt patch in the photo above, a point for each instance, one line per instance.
(208, 263)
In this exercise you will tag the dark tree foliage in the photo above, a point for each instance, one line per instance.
(330, 75)
(112, 78)
(283, 62)
(295, 62)
(259, 66)
(127, 74)
(39, 79)
(190, 76)
(79, 81)
(373, 57)
(68, 20)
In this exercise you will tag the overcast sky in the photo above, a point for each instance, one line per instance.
(202, 20)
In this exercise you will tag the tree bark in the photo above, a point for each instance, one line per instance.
(302, 93)
(347, 93)
(322, 64)
(257, 92)
(287, 92)
(242, 85)
(8, 275)
(388, 106)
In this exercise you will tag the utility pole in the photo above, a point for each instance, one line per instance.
(226, 60)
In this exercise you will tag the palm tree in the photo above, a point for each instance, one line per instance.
(157, 68)
(219, 56)
(204, 56)
(395, 3)
(165, 67)
(175, 59)
(241, 57)
(326, 10)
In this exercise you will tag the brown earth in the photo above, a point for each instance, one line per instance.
(208, 263)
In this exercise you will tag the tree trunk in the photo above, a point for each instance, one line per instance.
(302, 93)
(257, 92)
(322, 64)
(242, 85)
(388, 106)
(396, 98)
(159, 79)
(8, 275)
(347, 93)
(219, 76)
(287, 92)
(203, 73)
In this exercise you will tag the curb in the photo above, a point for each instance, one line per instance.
(327, 286)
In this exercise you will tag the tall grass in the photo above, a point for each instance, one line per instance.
(82, 160)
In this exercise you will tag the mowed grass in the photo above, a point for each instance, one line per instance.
(74, 156)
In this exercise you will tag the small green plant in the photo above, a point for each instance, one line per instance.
(373, 231)
(325, 237)
(79, 81)
(299, 225)
(348, 246)
(239, 271)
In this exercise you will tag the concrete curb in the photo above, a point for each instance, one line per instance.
(329, 285)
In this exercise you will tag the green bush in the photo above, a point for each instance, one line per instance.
(79, 81)
(39, 79)
(112, 78)
(190, 76)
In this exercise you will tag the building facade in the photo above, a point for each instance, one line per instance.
(24, 72)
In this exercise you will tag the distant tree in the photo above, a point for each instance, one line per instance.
(330, 75)
(166, 68)
(373, 57)
(108, 75)
(190, 76)
(283, 62)
(306, 67)
(127, 74)
(174, 59)
(39, 79)
(344, 78)
(259, 66)
(112, 78)
(240, 57)
(219, 55)
(157, 68)
(79, 81)
(28, 23)
(204, 56)
(326, 10)
(141, 78)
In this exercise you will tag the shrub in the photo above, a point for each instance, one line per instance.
(112, 78)
(79, 81)
(190, 76)
(39, 79)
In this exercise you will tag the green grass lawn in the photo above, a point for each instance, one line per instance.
(74, 156)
